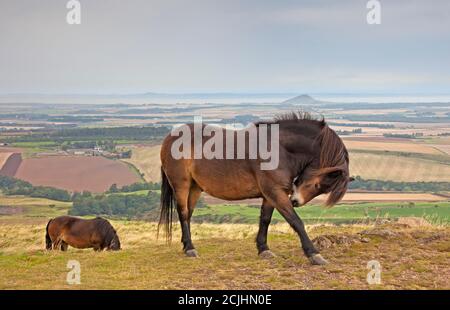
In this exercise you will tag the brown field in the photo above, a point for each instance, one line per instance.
(9, 163)
(389, 145)
(388, 197)
(76, 173)
(349, 197)
(4, 158)
(146, 159)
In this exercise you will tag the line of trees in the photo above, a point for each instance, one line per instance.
(403, 135)
(131, 206)
(13, 186)
(138, 186)
(94, 134)
(378, 185)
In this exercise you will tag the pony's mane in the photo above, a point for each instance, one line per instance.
(298, 117)
(333, 153)
(105, 228)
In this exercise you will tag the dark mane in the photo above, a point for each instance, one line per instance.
(294, 118)
(333, 153)
(297, 116)
(106, 229)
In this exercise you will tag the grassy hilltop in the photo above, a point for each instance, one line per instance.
(413, 254)
(412, 257)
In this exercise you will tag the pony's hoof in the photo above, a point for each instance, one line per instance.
(317, 259)
(267, 254)
(192, 253)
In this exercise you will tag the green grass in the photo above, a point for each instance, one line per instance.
(143, 192)
(345, 213)
(39, 144)
(435, 212)
(29, 207)
(134, 170)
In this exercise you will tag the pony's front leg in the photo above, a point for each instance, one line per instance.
(261, 237)
(286, 209)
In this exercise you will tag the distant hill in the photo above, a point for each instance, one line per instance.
(302, 100)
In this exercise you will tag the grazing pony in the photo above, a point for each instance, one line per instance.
(312, 161)
(79, 233)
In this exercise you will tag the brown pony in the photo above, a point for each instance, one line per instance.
(80, 233)
(312, 161)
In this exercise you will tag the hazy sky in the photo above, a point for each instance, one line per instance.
(224, 46)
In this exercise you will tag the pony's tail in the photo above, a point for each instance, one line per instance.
(168, 202)
(48, 240)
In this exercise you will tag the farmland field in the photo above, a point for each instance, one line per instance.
(397, 168)
(146, 159)
(406, 147)
(438, 212)
(357, 212)
(76, 173)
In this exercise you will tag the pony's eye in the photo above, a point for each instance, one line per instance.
(317, 186)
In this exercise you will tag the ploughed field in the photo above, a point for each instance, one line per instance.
(412, 254)
(76, 173)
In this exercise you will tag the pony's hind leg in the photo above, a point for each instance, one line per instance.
(57, 243)
(261, 237)
(184, 214)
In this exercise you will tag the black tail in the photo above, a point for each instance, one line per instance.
(48, 240)
(168, 202)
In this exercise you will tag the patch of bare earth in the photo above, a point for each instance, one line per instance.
(76, 173)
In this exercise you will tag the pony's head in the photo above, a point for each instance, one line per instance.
(115, 242)
(312, 183)
(327, 174)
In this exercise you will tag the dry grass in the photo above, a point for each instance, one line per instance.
(406, 147)
(146, 159)
(414, 257)
(397, 168)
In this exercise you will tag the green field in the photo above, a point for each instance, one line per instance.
(438, 212)
(434, 212)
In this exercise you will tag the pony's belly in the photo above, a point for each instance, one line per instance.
(228, 190)
(226, 179)
(233, 196)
